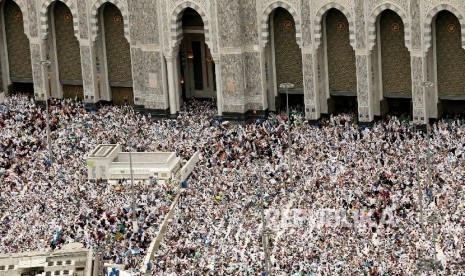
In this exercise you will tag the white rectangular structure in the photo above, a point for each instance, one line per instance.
(109, 163)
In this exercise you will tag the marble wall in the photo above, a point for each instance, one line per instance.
(237, 34)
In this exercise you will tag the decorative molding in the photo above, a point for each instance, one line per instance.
(264, 28)
(176, 23)
(25, 16)
(428, 23)
(95, 13)
(44, 16)
(318, 22)
(374, 17)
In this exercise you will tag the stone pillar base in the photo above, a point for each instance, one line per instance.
(331, 106)
(384, 107)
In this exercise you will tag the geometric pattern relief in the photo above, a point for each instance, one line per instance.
(288, 55)
(265, 20)
(44, 16)
(19, 53)
(318, 21)
(395, 57)
(428, 22)
(450, 55)
(176, 23)
(117, 47)
(67, 45)
(95, 14)
(342, 72)
(373, 18)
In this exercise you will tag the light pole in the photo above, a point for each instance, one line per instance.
(135, 227)
(433, 263)
(426, 84)
(288, 86)
(47, 63)
(264, 224)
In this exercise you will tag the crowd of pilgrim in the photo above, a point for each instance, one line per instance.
(341, 200)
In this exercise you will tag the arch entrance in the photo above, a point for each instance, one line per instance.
(196, 67)
(113, 58)
(15, 53)
(64, 54)
(336, 66)
(448, 57)
(283, 62)
(392, 81)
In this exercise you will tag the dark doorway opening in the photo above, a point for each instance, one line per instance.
(296, 102)
(22, 87)
(345, 104)
(399, 106)
(453, 108)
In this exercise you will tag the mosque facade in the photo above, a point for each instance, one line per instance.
(370, 55)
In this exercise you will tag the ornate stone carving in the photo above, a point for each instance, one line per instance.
(175, 21)
(362, 80)
(44, 10)
(31, 12)
(430, 10)
(322, 9)
(87, 72)
(374, 15)
(121, 5)
(268, 6)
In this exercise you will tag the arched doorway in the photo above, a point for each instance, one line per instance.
(392, 81)
(283, 62)
(196, 66)
(449, 58)
(113, 58)
(337, 69)
(64, 53)
(15, 53)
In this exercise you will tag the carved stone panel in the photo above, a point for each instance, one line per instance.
(249, 21)
(417, 90)
(87, 72)
(229, 23)
(148, 90)
(252, 75)
(310, 97)
(83, 23)
(37, 75)
(143, 22)
(415, 21)
(306, 22)
(32, 14)
(232, 78)
(362, 80)
(360, 31)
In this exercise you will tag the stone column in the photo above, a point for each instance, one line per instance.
(171, 68)
(419, 114)
(364, 85)
(39, 71)
(90, 79)
(219, 86)
(177, 83)
(311, 95)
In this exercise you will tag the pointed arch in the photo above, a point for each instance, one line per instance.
(44, 24)
(24, 14)
(373, 18)
(176, 23)
(319, 17)
(428, 25)
(94, 17)
(264, 30)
